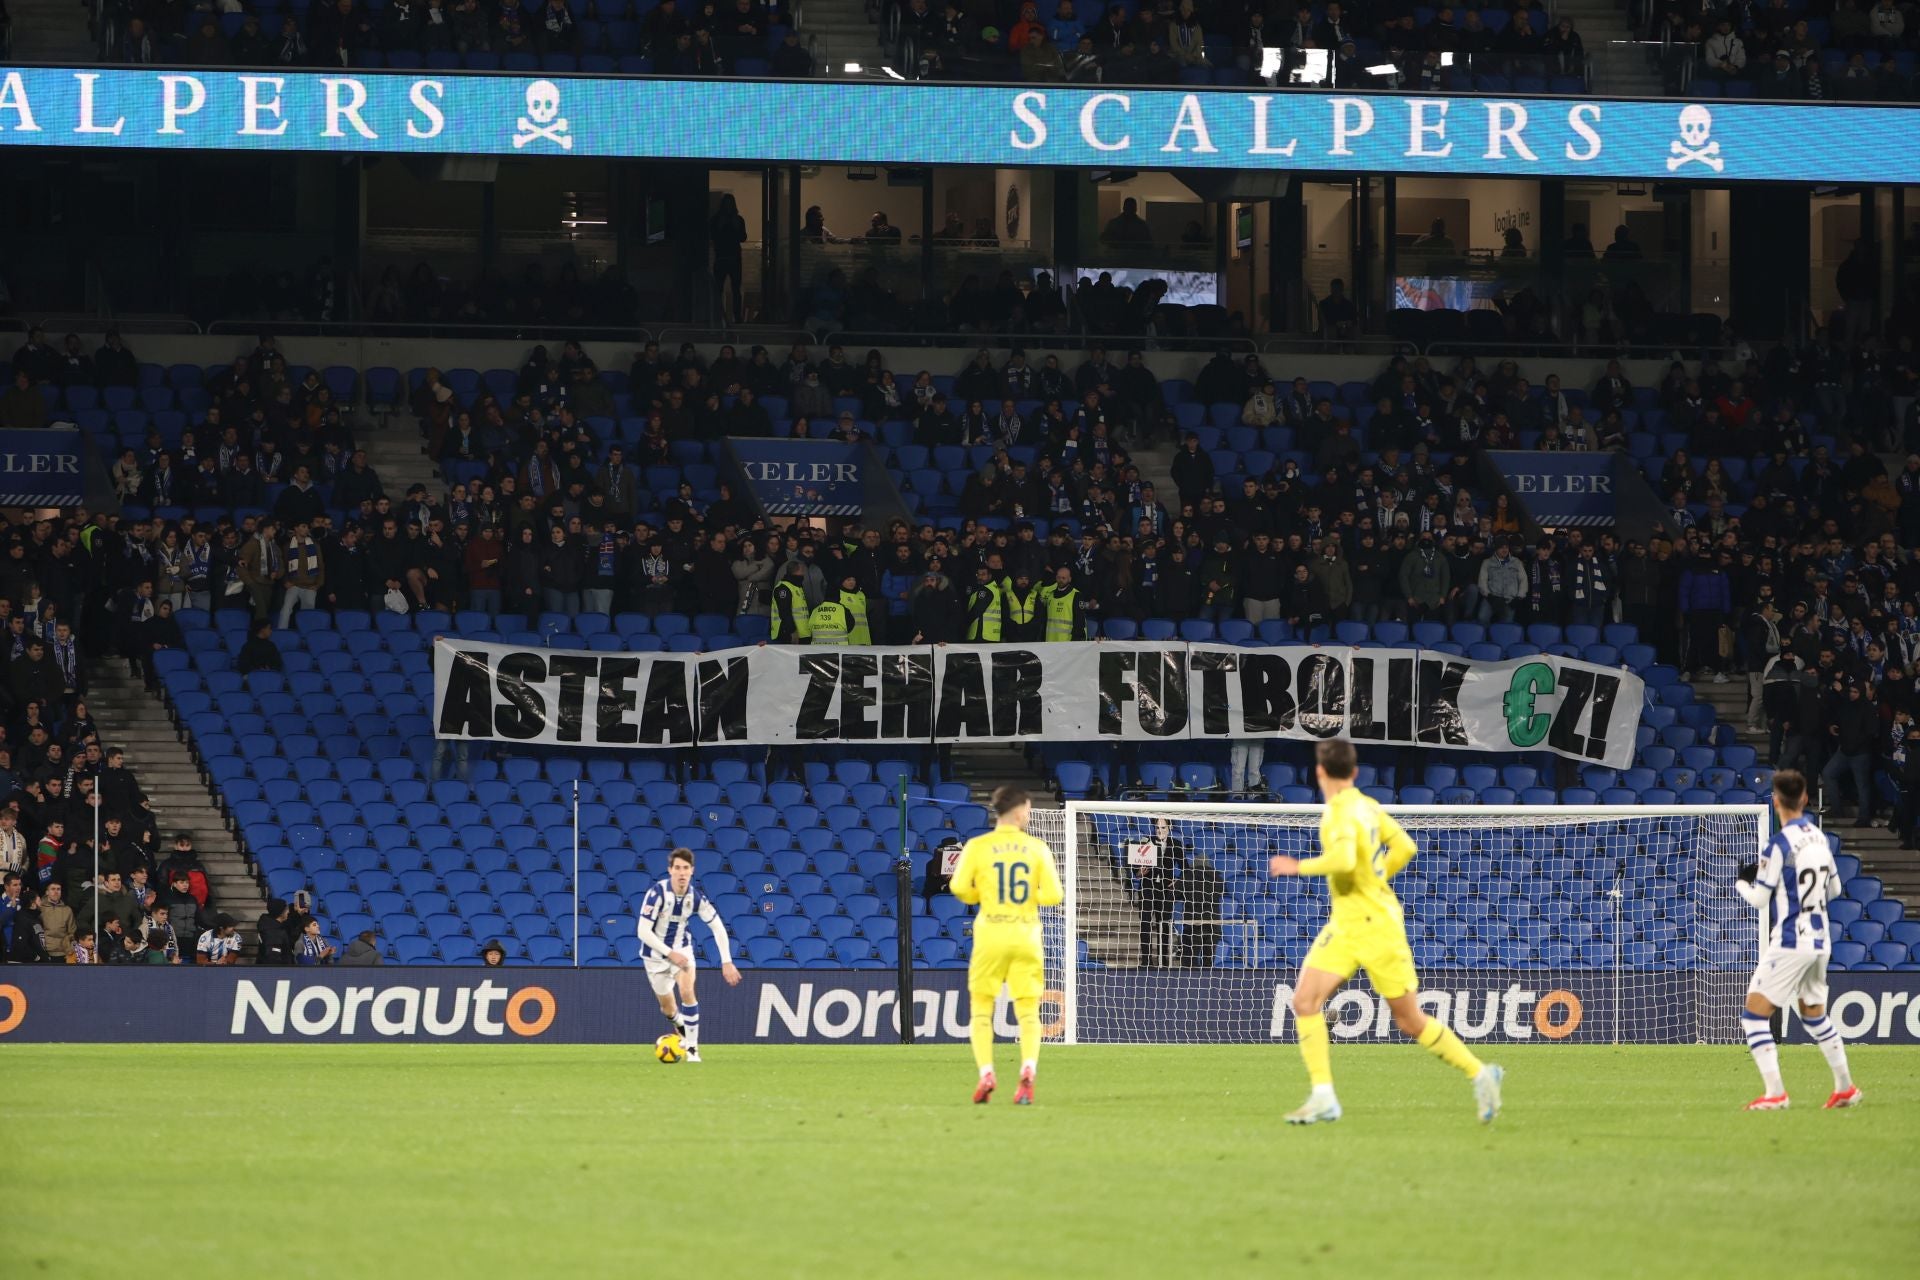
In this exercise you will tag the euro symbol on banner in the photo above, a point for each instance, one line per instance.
(1524, 728)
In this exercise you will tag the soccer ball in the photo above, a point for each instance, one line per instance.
(669, 1049)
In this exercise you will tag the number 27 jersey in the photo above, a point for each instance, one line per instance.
(1800, 878)
(1011, 875)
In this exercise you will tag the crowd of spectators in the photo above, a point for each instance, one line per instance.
(1787, 543)
(1853, 50)
(1844, 50)
(1332, 44)
(1782, 547)
(84, 878)
(670, 37)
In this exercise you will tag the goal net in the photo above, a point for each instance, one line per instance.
(1541, 923)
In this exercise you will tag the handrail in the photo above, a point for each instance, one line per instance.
(1079, 341)
(1359, 344)
(766, 335)
(424, 329)
(95, 322)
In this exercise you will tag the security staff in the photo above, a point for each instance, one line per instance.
(1060, 601)
(791, 623)
(984, 608)
(828, 623)
(1022, 600)
(854, 601)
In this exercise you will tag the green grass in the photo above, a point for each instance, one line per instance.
(550, 1161)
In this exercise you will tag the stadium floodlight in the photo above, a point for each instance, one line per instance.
(1597, 923)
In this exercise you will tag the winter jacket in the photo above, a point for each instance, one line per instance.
(1335, 579)
(753, 579)
(1262, 577)
(1426, 577)
(361, 953)
(1503, 579)
(57, 926)
(1592, 582)
(1858, 727)
(1640, 580)
(1705, 590)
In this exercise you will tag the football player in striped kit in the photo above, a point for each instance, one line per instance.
(1793, 882)
(666, 945)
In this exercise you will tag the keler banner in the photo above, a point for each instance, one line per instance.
(1093, 691)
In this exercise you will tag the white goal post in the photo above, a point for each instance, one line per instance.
(1594, 924)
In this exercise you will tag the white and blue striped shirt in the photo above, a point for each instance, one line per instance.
(666, 922)
(1797, 878)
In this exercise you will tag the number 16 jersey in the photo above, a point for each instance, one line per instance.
(1011, 875)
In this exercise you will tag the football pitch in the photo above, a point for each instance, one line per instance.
(464, 1160)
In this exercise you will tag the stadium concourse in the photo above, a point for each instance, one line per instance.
(1306, 509)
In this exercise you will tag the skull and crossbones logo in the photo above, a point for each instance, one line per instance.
(543, 118)
(1696, 124)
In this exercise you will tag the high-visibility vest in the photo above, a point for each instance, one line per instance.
(1021, 612)
(855, 603)
(829, 623)
(1060, 606)
(798, 598)
(987, 626)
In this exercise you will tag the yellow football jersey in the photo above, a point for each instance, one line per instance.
(1361, 849)
(1011, 875)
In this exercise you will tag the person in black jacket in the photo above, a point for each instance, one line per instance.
(934, 609)
(1903, 766)
(1153, 865)
(1853, 727)
(387, 561)
(1779, 689)
(344, 561)
(520, 579)
(260, 653)
(276, 934)
(1262, 581)
(946, 856)
(562, 571)
(1303, 602)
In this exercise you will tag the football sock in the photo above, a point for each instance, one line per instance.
(1027, 1013)
(690, 1025)
(1766, 1054)
(1439, 1040)
(1827, 1036)
(1315, 1050)
(981, 1033)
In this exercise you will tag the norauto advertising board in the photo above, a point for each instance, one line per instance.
(608, 1006)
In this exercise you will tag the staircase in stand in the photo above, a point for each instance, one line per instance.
(842, 32)
(1878, 848)
(1108, 918)
(1623, 65)
(51, 31)
(398, 454)
(130, 717)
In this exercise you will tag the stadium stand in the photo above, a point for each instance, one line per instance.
(1517, 48)
(1298, 513)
